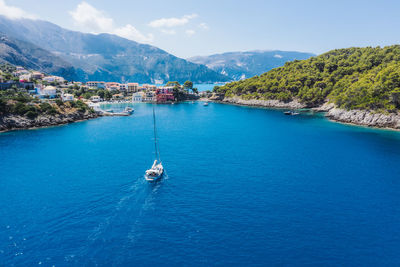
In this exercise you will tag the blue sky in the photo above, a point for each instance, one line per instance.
(189, 28)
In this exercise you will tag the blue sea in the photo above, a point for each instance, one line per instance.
(243, 187)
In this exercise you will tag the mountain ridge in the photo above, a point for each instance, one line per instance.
(17, 52)
(105, 56)
(239, 65)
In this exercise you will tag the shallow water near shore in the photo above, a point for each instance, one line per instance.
(244, 186)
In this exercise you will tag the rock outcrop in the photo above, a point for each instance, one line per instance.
(366, 118)
(15, 122)
(264, 103)
(358, 117)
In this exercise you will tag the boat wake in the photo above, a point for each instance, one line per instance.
(126, 216)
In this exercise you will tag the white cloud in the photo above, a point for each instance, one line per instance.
(13, 12)
(131, 33)
(93, 20)
(172, 22)
(89, 17)
(203, 26)
(190, 32)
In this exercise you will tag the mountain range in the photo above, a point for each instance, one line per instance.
(78, 56)
(30, 56)
(242, 65)
(103, 57)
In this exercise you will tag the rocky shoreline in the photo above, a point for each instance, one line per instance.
(260, 103)
(356, 117)
(365, 118)
(16, 122)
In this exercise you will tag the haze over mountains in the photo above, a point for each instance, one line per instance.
(103, 57)
(242, 65)
(44, 46)
(25, 54)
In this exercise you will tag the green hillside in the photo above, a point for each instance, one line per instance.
(353, 78)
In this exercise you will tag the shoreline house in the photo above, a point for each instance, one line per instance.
(165, 94)
(132, 87)
(137, 97)
(149, 87)
(112, 86)
(123, 87)
(96, 85)
(118, 97)
(149, 97)
(95, 99)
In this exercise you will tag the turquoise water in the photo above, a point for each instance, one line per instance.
(244, 186)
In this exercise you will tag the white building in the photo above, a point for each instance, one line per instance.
(100, 85)
(137, 97)
(25, 77)
(49, 91)
(112, 86)
(51, 79)
(95, 98)
(149, 97)
(67, 97)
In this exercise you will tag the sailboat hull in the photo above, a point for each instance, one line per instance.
(155, 173)
(153, 178)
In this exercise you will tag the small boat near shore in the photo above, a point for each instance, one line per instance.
(291, 113)
(205, 104)
(128, 110)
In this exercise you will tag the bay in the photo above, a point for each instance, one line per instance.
(243, 186)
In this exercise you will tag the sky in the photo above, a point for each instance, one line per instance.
(188, 28)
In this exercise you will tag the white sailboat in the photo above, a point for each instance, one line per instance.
(157, 170)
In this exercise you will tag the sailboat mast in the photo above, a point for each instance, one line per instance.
(155, 135)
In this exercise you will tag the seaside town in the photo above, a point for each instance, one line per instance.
(50, 87)
(32, 99)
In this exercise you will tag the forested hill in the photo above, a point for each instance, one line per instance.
(353, 78)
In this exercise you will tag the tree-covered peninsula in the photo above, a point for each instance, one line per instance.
(355, 85)
(354, 78)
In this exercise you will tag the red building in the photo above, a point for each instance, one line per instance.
(165, 94)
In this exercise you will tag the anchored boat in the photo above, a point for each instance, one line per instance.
(128, 110)
(291, 113)
(157, 170)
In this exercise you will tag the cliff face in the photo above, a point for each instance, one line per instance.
(365, 118)
(16, 122)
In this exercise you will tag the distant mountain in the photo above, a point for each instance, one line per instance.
(107, 57)
(25, 54)
(242, 65)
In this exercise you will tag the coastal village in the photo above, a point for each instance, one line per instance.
(30, 99)
(50, 87)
